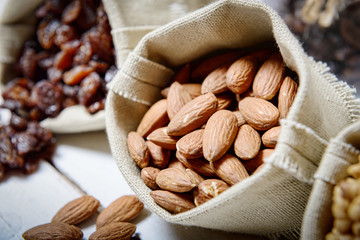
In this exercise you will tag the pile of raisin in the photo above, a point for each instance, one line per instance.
(67, 62)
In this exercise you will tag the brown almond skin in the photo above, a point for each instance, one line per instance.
(215, 82)
(247, 142)
(208, 189)
(194, 177)
(161, 137)
(53, 231)
(219, 134)
(253, 164)
(159, 157)
(138, 149)
(199, 165)
(114, 231)
(123, 209)
(173, 202)
(259, 113)
(269, 77)
(77, 211)
(270, 137)
(148, 175)
(287, 95)
(174, 180)
(176, 99)
(154, 118)
(230, 169)
(190, 145)
(175, 163)
(194, 114)
(241, 73)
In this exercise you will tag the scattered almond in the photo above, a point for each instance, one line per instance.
(53, 231)
(114, 231)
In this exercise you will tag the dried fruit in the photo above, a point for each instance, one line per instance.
(174, 180)
(114, 231)
(53, 231)
(123, 209)
(138, 149)
(77, 210)
(173, 202)
(247, 142)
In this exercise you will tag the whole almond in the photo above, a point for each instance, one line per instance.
(194, 177)
(230, 169)
(240, 118)
(190, 145)
(208, 189)
(287, 95)
(114, 231)
(215, 82)
(194, 114)
(194, 89)
(224, 100)
(270, 137)
(269, 77)
(173, 202)
(175, 163)
(148, 175)
(199, 165)
(53, 231)
(241, 74)
(154, 118)
(219, 134)
(176, 99)
(122, 209)
(247, 142)
(138, 149)
(211, 63)
(159, 157)
(76, 211)
(252, 164)
(174, 180)
(161, 137)
(259, 113)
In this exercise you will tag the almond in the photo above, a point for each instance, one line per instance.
(174, 180)
(241, 74)
(194, 177)
(230, 169)
(199, 165)
(114, 231)
(194, 114)
(148, 175)
(269, 77)
(175, 163)
(122, 209)
(183, 75)
(259, 113)
(240, 118)
(247, 142)
(270, 137)
(194, 89)
(215, 82)
(224, 100)
(287, 95)
(53, 231)
(160, 137)
(219, 134)
(209, 189)
(138, 149)
(253, 164)
(159, 157)
(173, 202)
(154, 118)
(176, 99)
(211, 63)
(190, 145)
(77, 210)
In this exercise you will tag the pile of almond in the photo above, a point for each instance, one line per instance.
(218, 121)
(111, 224)
(346, 206)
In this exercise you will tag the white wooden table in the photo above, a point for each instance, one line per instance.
(82, 165)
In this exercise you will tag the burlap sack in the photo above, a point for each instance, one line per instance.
(271, 202)
(342, 151)
(130, 20)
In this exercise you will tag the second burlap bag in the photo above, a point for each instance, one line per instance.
(271, 202)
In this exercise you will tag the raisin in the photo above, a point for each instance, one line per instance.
(71, 12)
(68, 102)
(54, 6)
(110, 73)
(28, 63)
(63, 60)
(16, 161)
(46, 32)
(64, 34)
(17, 93)
(31, 165)
(76, 74)
(46, 63)
(24, 143)
(54, 75)
(100, 67)
(47, 97)
(18, 122)
(88, 88)
(83, 54)
(87, 17)
(96, 106)
(71, 46)
(43, 134)
(71, 91)
(5, 149)
(36, 114)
